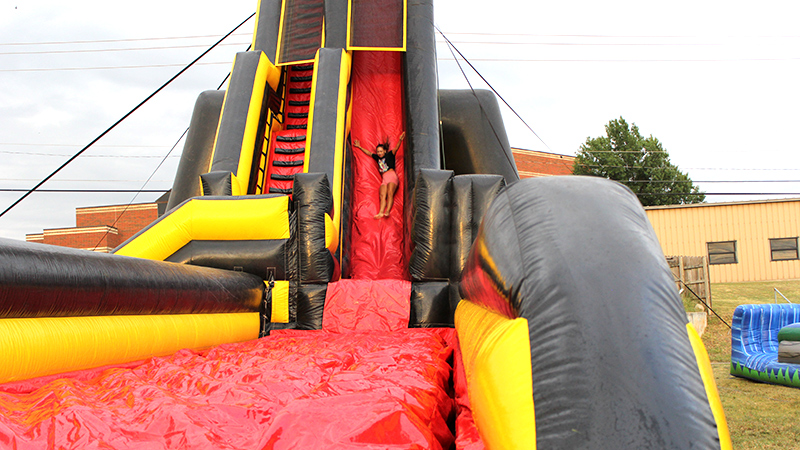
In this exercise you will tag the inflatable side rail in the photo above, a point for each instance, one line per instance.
(571, 330)
(446, 213)
(65, 309)
(755, 344)
(242, 125)
(327, 127)
(199, 146)
(256, 218)
(473, 134)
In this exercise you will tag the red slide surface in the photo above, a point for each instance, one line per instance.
(386, 388)
(377, 105)
(291, 390)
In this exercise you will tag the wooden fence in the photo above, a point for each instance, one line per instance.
(691, 272)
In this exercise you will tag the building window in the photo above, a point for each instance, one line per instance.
(722, 252)
(783, 249)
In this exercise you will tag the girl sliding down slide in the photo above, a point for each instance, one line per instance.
(386, 164)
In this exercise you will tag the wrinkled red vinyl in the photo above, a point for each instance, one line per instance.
(366, 305)
(376, 244)
(290, 390)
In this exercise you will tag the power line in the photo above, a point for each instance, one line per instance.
(145, 66)
(489, 85)
(121, 119)
(98, 41)
(104, 50)
(83, 181)
(109, 191)
(23, 144)
(716, 193)
(600, 44)
(526, 35)
(713, 181)
(85, 156)
(619, 36)
(698, 60)
(687, 168)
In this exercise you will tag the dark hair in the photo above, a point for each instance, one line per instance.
(384, 144)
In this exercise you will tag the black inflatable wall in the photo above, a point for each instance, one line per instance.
(306, 304)
(474, 136)
(232, 126)
(420, 87)
(263, 258)
(312, 193)
(265, 36)
(430, 305)
(430, 229)
(472, 195)
(196, 156)
(39, 280)
(610, 353)
(447, 211)
(322, 151)
(336, 23)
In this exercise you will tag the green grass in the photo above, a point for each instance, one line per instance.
(759, 415)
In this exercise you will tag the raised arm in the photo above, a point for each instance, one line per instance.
(357, 144)
(399, 141)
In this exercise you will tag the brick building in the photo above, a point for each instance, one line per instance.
(532, 163)
(102, 228)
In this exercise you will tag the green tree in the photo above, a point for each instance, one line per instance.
(640, 163)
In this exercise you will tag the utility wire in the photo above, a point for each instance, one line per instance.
(98, 41)
(715, 193)
(490, 86)
(105, 191)
(121, 119)
(491, 125)
(146, 66)
(518, 60)
(142, 188)
(703, 302)
(103, 50)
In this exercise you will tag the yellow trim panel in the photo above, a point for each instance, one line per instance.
(707, 374)
(237, 218)
(46, 346)
(497, 358)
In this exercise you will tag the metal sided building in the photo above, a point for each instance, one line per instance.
(744, 241)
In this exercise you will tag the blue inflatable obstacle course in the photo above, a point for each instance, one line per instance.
(760, 335)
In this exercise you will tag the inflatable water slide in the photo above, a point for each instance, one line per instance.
(269, 309)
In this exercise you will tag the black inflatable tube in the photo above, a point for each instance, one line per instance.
(196, 156)
(472, 195)
(420, 87)
(474, 136)
(228, 146)
(430, 305)
(263, 258)
(611, 360)
(312, 194)
(39, 280)
(336, 23)
(266, 32)
(430, 226)
(322, 153)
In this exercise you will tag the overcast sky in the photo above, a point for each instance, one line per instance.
(715, 82)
